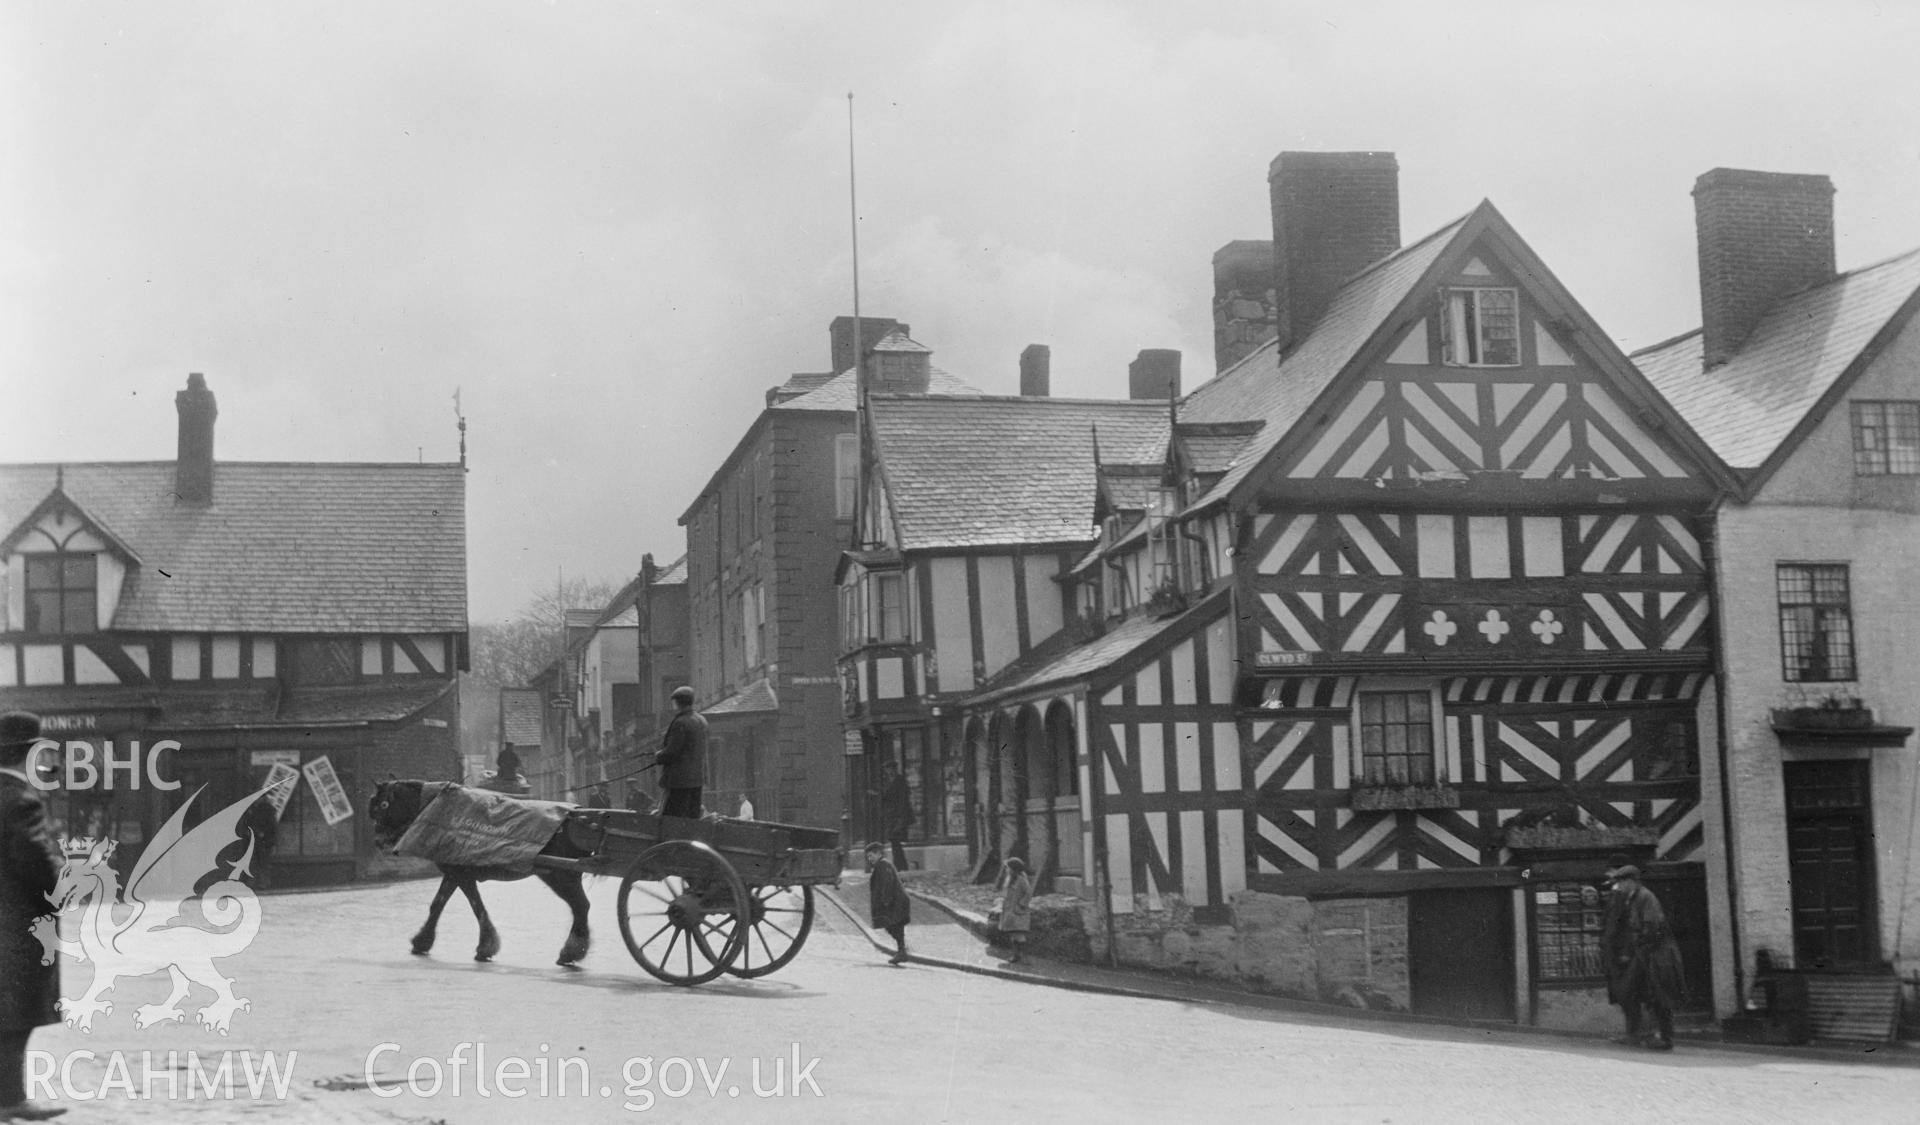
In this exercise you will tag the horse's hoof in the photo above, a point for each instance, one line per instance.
(418, 952)
(483, 957)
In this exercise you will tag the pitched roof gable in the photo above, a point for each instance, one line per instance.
(1802, 351)
(1373, 308)
(282, 548)
(1001, 471)
(1278, 390)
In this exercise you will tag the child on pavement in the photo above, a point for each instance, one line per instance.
(887, 900)
(1015, 918)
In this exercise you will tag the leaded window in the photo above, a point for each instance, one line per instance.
(1816, 623)
(1481, 328)
(1886, 439)
(62, 593)
(1396, 738)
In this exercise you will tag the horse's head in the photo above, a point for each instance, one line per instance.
(391, 809)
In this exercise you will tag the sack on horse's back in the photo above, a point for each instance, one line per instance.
(478, 828)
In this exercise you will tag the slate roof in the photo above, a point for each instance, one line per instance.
(999, 471)
(521, 714)
(283, 548)
(837, 393)
(319, 706)
(1255, 388)
(1130, 487)
(757, 698)
(1747, 406)
(673, 574)
(1080, 661)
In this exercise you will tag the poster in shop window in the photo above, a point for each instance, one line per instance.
(282, 780)
(327, 790)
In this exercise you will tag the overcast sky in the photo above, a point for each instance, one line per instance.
(613, 226)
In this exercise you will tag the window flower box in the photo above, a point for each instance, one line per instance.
(1377, 797)
(1823, 718)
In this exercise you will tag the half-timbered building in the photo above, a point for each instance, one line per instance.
(1807, 383)
(186, 627)
(1409, 636)
(976, 508)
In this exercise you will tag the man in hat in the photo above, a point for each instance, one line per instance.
(29, 866)
(682, 757)
(1643, 960)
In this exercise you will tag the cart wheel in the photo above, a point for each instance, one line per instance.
(781, 919)
(681, 911)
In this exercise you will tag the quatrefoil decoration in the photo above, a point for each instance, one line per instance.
(1440, 628)
(1547, 627)
(1493, 627)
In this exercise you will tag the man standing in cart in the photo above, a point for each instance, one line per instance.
(682, 757)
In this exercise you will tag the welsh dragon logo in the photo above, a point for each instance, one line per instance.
(158, 923)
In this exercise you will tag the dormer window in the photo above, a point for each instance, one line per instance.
(62, 593)
(1481, 328)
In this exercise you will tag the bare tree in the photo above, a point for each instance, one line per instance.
(511, 653)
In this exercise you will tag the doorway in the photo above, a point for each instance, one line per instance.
(1830, 858)
(1460, 953)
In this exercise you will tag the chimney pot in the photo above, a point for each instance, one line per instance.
(1036, 371)
(193, 460)
(1763, 236)
(1334, 214)
(1154, 374)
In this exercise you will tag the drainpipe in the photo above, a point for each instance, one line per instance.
(1710, 556)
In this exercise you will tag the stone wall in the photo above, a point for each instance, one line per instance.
(1341, 951)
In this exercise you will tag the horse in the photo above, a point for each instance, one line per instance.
(395, 804)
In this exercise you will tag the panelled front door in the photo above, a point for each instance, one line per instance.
(1830, 846)
(1460, 953)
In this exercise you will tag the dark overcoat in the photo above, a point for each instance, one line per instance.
(1651, 972)
(29, 866)
(886, 898)
(683, 752)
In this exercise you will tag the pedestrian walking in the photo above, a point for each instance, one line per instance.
(1016, 915)
(887, 900)
(30, 863)
(683, 757)
(1643, 960)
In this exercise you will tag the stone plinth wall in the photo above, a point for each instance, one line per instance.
(1342, 951)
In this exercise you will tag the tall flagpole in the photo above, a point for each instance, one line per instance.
(859, 350)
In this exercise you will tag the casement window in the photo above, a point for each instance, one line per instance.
(1816, 623)
(846, 474)
(1396, 737)
(1886, 439)
(61, 593)
(1481, 328)
(753, 625)
(1669, 748)
(1162, 550)
(887, 595)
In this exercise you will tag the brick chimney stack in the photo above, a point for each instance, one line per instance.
(1036, 371)
(1154, 373)
(873, 329)
(193, 463)
(1334, 214)
(1243, 300)
(1763, 236)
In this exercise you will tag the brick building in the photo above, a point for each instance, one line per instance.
(763, 537)
(254, 614)
(1807, 383)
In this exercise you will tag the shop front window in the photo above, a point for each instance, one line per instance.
(1568, 920)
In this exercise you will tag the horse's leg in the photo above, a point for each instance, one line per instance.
(566, 884)
(489, 937)
(423, 941)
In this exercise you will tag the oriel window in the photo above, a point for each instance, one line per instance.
(62, 593)
(1816, 623)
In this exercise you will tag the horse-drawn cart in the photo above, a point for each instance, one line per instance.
(703, 897)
